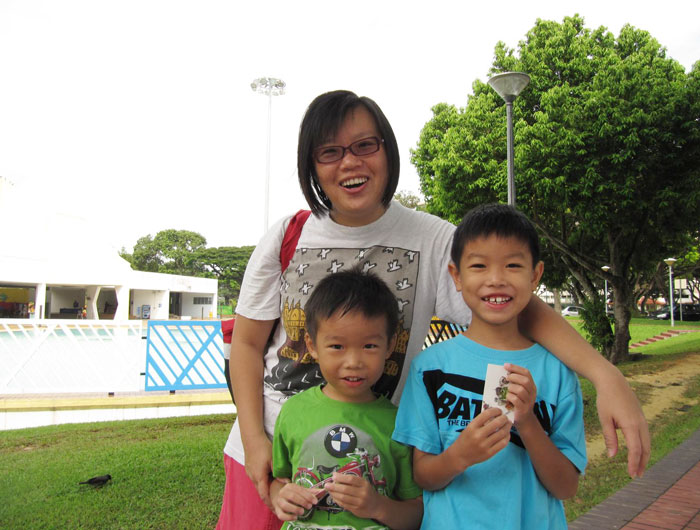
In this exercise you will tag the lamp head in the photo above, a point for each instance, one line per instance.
(270, 86)
(605, 268)
(670, 261)
(509, 84)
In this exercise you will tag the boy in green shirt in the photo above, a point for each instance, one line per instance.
(333, 456)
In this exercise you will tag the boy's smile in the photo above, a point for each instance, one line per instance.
(351, 350)
(496, 278)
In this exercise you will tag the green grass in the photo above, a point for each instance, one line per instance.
(642, 328)
(605, 476)
(166, 473)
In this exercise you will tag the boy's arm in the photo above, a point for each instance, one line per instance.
(556, 472)
(357, 495)
(247, 352)
(618, 406)
(485, 436)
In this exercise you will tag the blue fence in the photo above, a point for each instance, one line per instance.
(184, 355)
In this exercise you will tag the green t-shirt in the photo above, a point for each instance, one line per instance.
(316, 435)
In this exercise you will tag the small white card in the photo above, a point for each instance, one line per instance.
(496, 390)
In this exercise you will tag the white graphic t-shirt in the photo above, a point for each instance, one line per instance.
(409, 250)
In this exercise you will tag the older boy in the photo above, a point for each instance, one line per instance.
(477, 469)
(332, 446)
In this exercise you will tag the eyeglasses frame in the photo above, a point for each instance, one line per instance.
(345, 149)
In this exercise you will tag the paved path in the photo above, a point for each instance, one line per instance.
(666, 498)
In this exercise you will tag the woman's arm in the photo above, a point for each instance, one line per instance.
(247, 352)
(618, 407)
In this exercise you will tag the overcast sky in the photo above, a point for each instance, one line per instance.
(138, 114)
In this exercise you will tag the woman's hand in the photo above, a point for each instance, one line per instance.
(618, 408)
(258, 466)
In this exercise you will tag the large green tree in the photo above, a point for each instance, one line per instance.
(170, 251)
(607, 153)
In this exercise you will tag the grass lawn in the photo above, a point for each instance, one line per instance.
(168, 473)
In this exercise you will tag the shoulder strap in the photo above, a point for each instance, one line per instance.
(289, 245)
(291, 237)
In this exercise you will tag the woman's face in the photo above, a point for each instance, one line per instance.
(355, 184)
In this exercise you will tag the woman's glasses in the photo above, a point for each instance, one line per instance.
(332, 153)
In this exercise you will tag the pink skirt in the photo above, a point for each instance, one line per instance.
(242, 507)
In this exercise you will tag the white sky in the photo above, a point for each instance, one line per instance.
(138, 114)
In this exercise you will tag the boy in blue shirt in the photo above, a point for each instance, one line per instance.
(477, 469)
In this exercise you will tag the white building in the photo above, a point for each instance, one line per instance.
(52, 265)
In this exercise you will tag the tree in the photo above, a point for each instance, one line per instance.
(184, 252)
(408, 199)
(607, 151)
(170, 252)
(228, 265)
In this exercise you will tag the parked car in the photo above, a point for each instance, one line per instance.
(571, 311)
(691, 312)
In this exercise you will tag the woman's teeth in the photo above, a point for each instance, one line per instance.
(353, 183)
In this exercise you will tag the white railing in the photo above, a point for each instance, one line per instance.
(67, 356)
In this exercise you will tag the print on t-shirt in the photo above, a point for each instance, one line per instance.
(296, 370)
(337, 449)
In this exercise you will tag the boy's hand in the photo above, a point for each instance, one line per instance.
(293, 500)
(522, 394)
(486, 435)
(355, 494)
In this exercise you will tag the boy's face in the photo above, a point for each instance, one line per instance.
(496, 278)
(351, 350)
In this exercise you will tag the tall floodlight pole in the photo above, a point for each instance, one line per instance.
(508, 85)
(606, 268)
(268, 86)
(670, 262)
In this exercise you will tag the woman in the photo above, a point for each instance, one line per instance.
(348, 164)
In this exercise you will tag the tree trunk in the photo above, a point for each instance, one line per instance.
(557, 300)
(622, 298)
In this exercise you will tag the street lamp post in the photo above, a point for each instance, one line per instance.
(670, 262)
(606, 268)
(268, 86)
(508, 85)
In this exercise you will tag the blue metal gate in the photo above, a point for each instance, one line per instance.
(184, 355)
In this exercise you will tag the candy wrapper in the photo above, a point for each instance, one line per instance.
(496, 390)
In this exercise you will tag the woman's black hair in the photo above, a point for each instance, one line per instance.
(322, 120)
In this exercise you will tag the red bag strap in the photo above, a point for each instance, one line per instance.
(289, 245)
(291, 237)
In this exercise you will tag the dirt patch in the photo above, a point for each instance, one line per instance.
(667, 388)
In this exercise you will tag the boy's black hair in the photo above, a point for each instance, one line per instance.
(321, 122)
(347, 291)
(499, 219)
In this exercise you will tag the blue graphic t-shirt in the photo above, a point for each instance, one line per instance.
(444, 392)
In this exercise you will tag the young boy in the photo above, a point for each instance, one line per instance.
(335, 462)
(477, 469)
